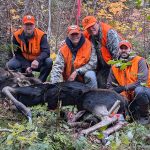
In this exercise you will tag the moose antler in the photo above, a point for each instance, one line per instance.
(21, 107)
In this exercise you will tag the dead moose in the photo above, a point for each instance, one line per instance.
(95, 101)
(19, 89)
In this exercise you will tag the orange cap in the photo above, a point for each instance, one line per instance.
(28, 19)
(126, 43)
(88, 21)
(73, 29)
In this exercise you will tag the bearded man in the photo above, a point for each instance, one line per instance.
(133, 81)
(32, 52)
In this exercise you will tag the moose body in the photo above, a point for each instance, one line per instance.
(69, 93)
(26, 91)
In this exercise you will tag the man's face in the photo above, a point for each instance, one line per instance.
(75, 38)
(124, 51)
(28, 29)
(93, 30)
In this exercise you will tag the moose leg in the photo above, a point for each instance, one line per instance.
(100, 111)
(73, 122)
(115, 107)
(26, 111)
(78, 115)
(79, 124)
(101, 124)
(115, 128)
(106, 120)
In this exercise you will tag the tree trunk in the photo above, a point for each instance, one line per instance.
(49, 21)
(26, 7)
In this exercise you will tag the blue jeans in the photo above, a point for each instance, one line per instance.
(21, 64)
(140, 104)
(142, 95)
(90, 79)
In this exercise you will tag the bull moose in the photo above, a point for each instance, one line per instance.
(95, 101)
(69, 93)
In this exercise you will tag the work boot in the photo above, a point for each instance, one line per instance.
(144, 114)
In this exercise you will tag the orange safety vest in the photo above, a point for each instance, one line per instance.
(82, 58)
(105, 52)
(34, 44)
(128, 76)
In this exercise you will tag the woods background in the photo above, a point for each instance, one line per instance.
(130, 17)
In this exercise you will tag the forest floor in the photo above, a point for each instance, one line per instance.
(50, 132)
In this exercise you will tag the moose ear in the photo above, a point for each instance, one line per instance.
(4, 75)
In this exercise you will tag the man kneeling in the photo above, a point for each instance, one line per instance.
(131, 82)
(76, 60)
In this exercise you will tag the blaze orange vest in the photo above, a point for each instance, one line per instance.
(105, 52)
(129, 76)
(34, 44)
(82, 58)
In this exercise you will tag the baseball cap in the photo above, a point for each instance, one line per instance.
(88, 21)
(28, 19)
(126, 43)
(73, 29)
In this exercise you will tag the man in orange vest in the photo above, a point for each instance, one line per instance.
(133, 81)
(32, 50)
(76, 59)
(105, 40)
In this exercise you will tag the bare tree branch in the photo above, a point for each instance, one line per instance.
(49, 21)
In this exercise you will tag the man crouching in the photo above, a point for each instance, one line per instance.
(76, 59)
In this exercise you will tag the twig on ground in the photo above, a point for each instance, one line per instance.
(6, 130)
(79, 124)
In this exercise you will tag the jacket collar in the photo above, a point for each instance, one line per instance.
(24, 38)
(73, 49)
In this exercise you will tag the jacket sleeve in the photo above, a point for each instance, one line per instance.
(45, 49)
(91, 65)
(16, 47)
(113, 40)
(57, 69)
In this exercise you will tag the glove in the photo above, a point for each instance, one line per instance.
(119, 89)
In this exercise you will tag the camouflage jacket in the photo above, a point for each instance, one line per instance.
(113, 40)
